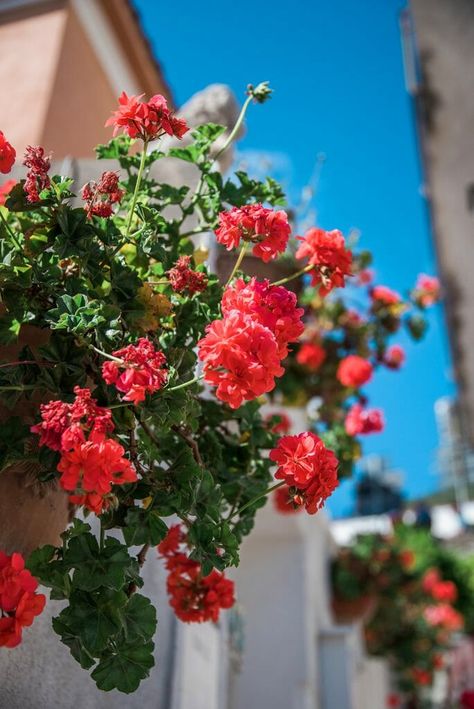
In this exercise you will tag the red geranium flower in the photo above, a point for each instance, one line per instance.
(326, 251)
(64, 425)
(37, 178)
(183, 278)
(394, 357)
(384, 295)
(102, 195)
(305, 463)
(7, 155)
(194, 598)
(311, 355)
(91, 468)
(443, 615)
(5, 190)
(407, 559)
(267, 229)
(422, 677)
(275, 307)
(283, 424)
(354, 371)
(141, 370)
(19, 602)
(362, 421)
(241, 358)
(146, 120)
(427, 290)
(287, 502)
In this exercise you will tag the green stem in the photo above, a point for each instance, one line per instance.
(233, 133)
(12, 235)
(237, 263)
(230, 138)
(20, 387)
(306, 269)
(258, 497)
(185, 384)
(107, 356)
(102, 536)
(137, 188)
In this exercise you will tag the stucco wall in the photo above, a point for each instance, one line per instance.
(30, 49)
(445, 39)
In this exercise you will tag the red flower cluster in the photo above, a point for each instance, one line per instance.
(267, 229)
(283, 425)
(275, 307)
(102, 195)
(443, 615)
(242, 353)
(140, 371)
(91, 468)
(19, 604)
(384, 296)
(444, 591)
(354, 371)
(7, 155)
(306, 464)
(5, 190)
(326, 251)
(90, 462)
(362, 421)
(146, 120)
(183, 278)
(421, 677)
(37, 178)
(286, 501)
(64, 424)
(407, 559)
(394, 357)
(365, 277)
(194, 598)
(311, 355)
(427, 290)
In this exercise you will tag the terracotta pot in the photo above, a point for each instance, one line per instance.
(253, 266)
(32, 513)
(347, 611)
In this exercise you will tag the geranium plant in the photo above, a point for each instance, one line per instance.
(146, 394)
(421, 592)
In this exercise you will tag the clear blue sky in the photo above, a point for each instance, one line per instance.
(339, 89)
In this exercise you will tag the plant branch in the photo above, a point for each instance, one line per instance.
(306, 269)
(237, 263)
(191, 443)
(258, 497)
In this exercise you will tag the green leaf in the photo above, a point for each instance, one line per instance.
(124, 668)
(140, 618)
(94, 567)
(143, 526)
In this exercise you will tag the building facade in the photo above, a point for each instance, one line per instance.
(438, 47)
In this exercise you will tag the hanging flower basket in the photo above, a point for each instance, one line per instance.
(347, 611)
(32, 513)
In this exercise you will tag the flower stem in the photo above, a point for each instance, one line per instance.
(237, 263)
(185, 384)
(233, 133)
(107, 356)
(101, 536)
(258, 497)
(12, 235)
(230, 138)
(306, 269)
(137, 188)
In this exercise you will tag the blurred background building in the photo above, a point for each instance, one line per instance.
(378, 490)
(438, 48)
(64, 62)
